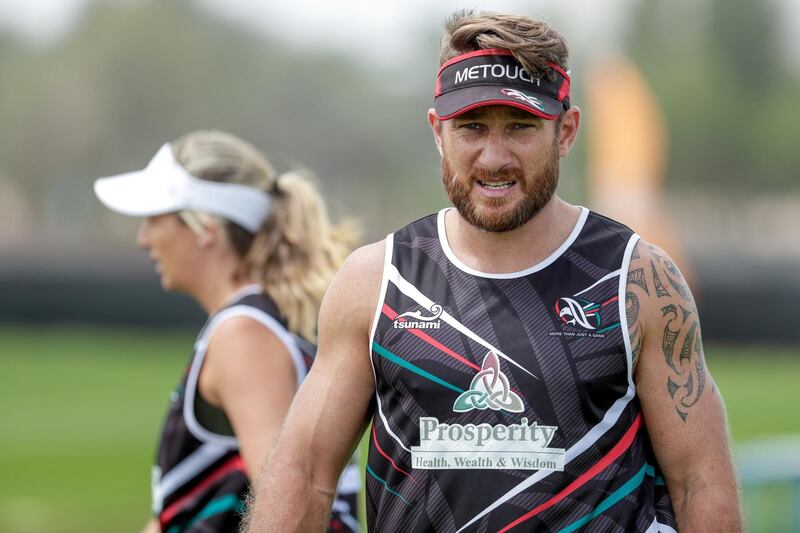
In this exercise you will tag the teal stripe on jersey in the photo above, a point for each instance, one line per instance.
(373, 474)
(609, 502)
(417, 370)
(229, 502)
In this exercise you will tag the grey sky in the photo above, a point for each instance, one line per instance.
(395, 30)
(390, 27)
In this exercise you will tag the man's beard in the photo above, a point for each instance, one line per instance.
(538, 189)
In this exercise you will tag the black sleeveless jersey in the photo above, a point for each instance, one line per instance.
(506, 401)
(199, 480)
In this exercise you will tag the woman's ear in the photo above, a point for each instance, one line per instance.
(207, 235)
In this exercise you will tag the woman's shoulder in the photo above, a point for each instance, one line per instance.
(238, 347)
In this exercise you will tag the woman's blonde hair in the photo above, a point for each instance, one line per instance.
(297, 250)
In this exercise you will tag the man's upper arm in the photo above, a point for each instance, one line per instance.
(682, 408)
(331, 407)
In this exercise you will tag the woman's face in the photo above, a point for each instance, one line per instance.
(173, 246)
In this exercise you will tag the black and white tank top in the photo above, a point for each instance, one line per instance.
(506, 401)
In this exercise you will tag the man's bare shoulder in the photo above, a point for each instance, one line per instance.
(361, 273)
(356, 288)
(366, 261)
(655, 275)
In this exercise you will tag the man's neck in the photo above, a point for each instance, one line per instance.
(515, 250)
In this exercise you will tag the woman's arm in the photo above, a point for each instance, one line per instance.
(249, 373)
(295, 491)
(152, 526)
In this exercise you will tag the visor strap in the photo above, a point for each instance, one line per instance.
(563, 94)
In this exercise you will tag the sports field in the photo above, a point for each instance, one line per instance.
(81, 410)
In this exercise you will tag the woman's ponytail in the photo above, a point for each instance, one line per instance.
(297, 251)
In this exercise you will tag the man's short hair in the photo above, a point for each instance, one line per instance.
(534, 43)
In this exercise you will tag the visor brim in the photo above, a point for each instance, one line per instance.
(137, 194)
(451, 104)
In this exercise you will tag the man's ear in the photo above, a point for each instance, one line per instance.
(568, 130)
(436, 126)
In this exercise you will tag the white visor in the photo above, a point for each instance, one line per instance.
(164, 186)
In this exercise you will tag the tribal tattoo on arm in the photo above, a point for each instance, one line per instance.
(656, 283)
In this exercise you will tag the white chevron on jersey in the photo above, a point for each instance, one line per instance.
(412, 292)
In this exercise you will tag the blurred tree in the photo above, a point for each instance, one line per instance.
(743, 37)
(134, 75)
(728, 99)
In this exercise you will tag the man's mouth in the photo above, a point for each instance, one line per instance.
(496, 185)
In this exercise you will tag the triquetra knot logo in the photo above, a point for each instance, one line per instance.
(489, 390)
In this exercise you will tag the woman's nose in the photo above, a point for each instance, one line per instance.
(141, 236)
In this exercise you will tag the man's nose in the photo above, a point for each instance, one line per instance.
(495, 153)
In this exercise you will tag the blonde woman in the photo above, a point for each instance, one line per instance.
(256, 251)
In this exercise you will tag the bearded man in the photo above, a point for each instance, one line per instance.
(524, 363)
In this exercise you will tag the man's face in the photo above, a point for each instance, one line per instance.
(499, 165)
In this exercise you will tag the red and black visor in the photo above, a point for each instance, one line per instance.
(495, 77)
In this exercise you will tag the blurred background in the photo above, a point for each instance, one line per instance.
(691, 134)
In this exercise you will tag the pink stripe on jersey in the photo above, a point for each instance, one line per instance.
(618, 449)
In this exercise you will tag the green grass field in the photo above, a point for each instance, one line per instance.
(81, 410)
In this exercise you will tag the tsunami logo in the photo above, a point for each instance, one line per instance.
(416, 320)
(489, 390)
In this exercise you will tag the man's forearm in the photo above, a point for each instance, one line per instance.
(286, 498)
(707, 508)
